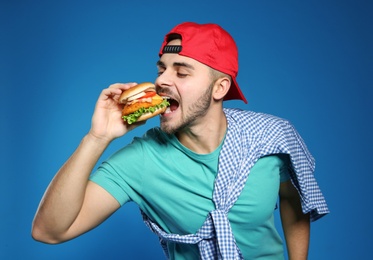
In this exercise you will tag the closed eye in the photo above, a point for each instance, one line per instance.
(181, 75)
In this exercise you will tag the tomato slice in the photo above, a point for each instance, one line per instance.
(149, 94)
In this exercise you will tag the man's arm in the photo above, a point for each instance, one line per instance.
(72, 204)
(296, 225)
(69, 207)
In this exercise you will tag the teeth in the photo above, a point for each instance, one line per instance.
(168, 110)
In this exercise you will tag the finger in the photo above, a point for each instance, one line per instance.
(115, 90)
(123, 86)
(109, 93)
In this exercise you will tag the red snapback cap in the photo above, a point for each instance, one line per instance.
(211, 45)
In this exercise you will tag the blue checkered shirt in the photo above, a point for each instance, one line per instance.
(250, 136)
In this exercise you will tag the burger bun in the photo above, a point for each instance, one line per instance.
(150, 115)
(135, 90)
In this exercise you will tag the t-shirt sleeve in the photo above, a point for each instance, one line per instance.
(106, 177)
(121, 174)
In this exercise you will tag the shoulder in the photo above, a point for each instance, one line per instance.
(251, 120)
(150, 145)
(153, 137)
(155, 134)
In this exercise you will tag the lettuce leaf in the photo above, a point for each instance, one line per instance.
(132, 118)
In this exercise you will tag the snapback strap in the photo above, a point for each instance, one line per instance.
(172, 49)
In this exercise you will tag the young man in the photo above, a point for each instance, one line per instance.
(207, 180)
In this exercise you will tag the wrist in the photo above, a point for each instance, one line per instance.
(96, 140)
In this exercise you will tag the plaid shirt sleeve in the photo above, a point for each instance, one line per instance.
(250, 136)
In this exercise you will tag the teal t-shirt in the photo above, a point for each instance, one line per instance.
(174, 187)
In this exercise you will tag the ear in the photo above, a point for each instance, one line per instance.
(221, 88)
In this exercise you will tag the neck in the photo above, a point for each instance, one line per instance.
(206, 136)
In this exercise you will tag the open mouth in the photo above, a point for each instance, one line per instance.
(174, 105)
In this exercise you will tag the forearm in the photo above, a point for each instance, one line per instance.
(64, 197)
(296, 226)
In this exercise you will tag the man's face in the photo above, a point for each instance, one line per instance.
(188, 84)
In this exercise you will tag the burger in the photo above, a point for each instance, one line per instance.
(142, 102)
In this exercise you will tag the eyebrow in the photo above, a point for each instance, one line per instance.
(176, 64)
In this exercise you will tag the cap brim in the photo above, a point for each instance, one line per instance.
(235, 92)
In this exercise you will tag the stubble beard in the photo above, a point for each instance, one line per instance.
(197, 110)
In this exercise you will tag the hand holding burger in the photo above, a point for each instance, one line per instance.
(141, 102)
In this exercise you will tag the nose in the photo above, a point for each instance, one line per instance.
(163, 80)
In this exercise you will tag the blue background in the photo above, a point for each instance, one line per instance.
(307, 61)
